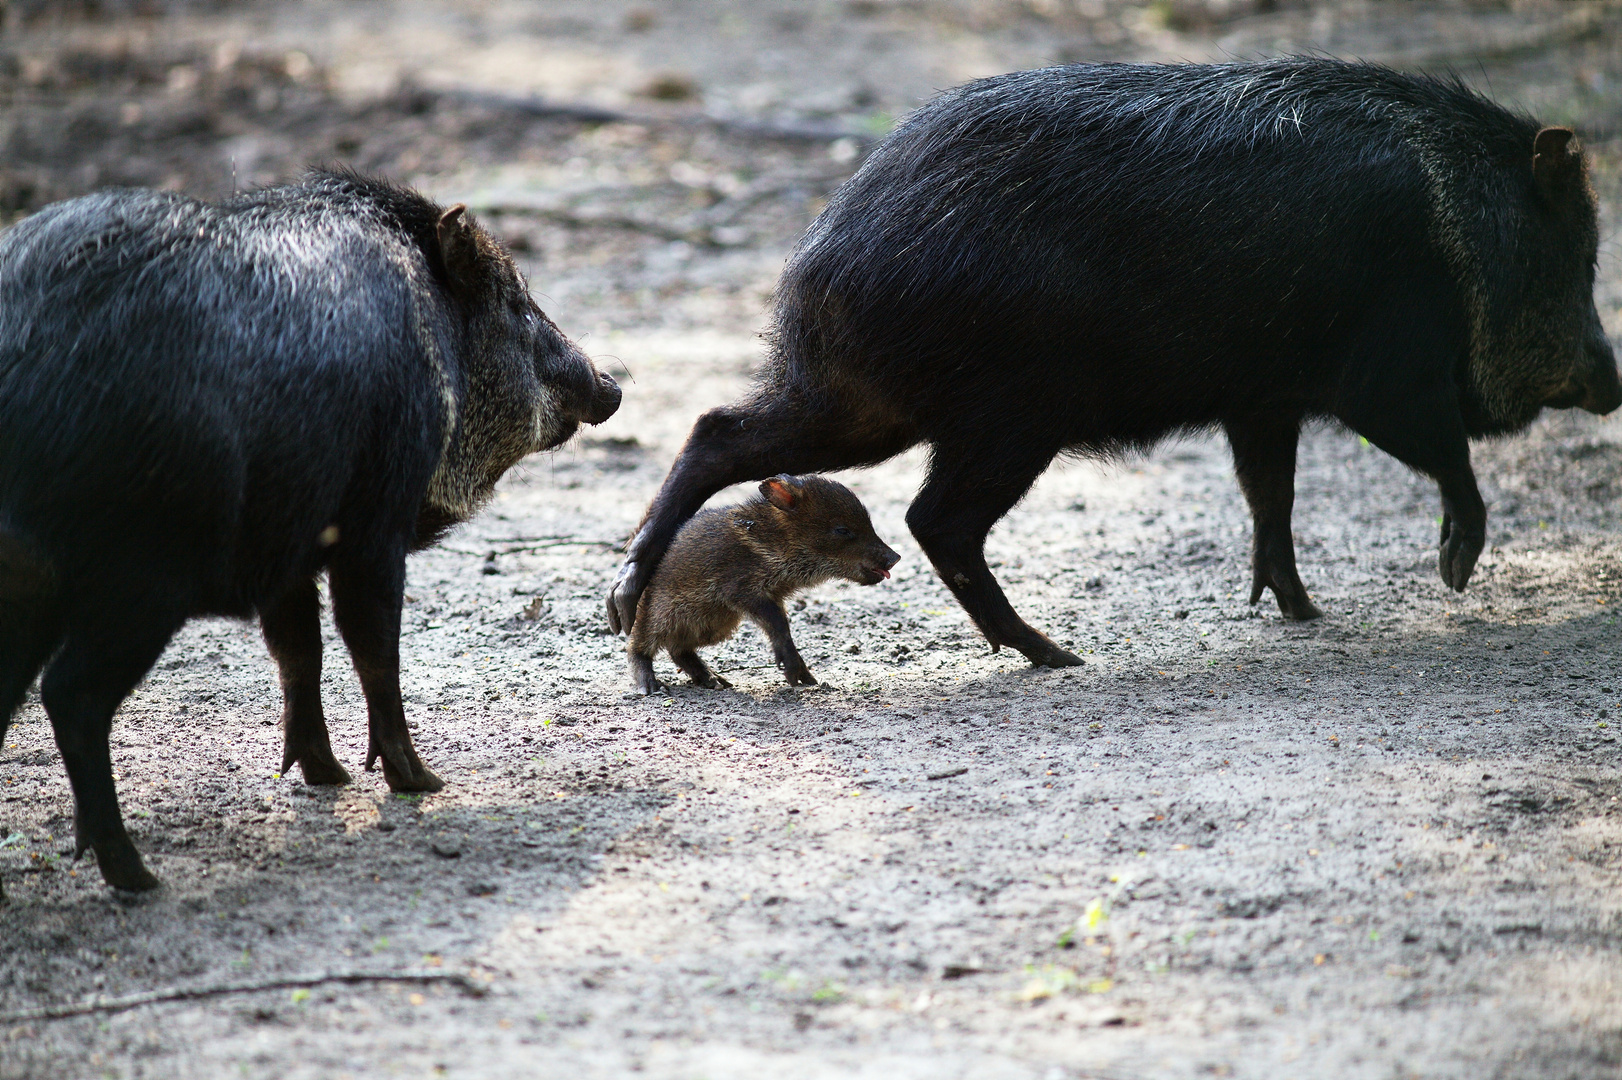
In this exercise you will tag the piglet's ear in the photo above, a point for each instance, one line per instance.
(1557, 162)
(781, 491)
(459, 248)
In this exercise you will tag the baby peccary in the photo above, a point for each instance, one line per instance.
(744, 561)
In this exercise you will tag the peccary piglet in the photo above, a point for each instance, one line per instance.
(1088, 259)
(206, 406)
(743, 561)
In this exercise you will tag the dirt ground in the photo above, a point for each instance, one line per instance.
(1384, 845)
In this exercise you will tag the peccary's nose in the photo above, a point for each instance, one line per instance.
(605, 400)
(888, 558)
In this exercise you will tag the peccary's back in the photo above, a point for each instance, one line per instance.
(208, 381)
(1139, 246)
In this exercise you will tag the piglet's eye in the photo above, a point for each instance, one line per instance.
(843, 533)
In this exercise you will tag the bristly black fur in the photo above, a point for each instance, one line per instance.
(1086, 259)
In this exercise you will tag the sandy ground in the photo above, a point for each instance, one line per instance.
(1387, 844)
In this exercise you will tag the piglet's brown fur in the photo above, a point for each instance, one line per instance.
(738, 562)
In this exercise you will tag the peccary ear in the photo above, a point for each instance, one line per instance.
(781, 491)
(459, 248)
(1556, 162)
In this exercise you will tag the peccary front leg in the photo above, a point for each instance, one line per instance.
(292, 629)
(97, 668)
(966, 493)
(697, 670)
(1264, 460)
(768, 614)
(366, 600)
(776, 431)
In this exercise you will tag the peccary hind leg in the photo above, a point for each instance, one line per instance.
(28, 636)
(697, 670)
(292, 629)
(968, 490)
(98, 666)
(366, 598)
(1264, 460)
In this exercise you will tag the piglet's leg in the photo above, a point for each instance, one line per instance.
(292, 629)
(1264, 460)
(642, 677)
(697, 670)
(366, 598)
(969, 488)
(768, 614)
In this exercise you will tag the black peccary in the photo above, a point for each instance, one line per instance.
(743, 561)
(1085, 259)
(203, 406)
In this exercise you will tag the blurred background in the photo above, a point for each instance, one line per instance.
(653, 162)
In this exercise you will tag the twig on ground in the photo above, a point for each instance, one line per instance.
(155, 997)
(543, 543)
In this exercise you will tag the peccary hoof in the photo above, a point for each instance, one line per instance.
(623, 596)
(419, 779)
(121, 868)
(1461, 546)
(317, 772)
(1298, 608)
(317, 764)
(1043, 653)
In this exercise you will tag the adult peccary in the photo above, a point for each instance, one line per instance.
(202, 407)
(743, 561)
(1085, 259)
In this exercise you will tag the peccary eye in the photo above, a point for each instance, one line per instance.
(844, 533)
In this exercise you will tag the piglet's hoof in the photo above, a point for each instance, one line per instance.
(714, 682)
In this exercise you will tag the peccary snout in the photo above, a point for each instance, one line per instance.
(1593, 384)
(584, 395)
(1602, 390)
(604, 400)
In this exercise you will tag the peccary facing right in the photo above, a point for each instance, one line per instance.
(205, 406)
(744, 561)
(1085, 259)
